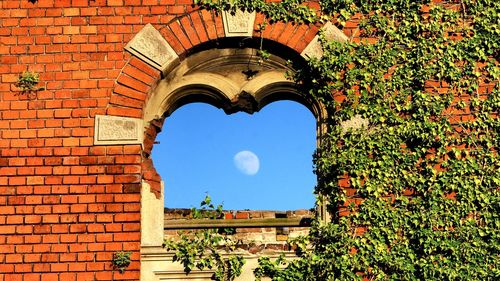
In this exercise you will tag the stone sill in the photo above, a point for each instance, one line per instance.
(236, 223)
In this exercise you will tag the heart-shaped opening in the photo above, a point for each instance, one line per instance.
(261, 161)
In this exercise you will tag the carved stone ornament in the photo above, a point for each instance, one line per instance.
(314, 50)
(239, 24)
(150, 46)
(244, 102)
(112, 130)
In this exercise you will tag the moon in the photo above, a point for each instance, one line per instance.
(247, 162)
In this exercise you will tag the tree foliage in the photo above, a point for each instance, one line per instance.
(423, 178)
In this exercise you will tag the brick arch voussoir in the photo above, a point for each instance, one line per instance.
(137, 78)
(128, 99)
(184, 34)
(200, 26)
(295, 36)
(187, 32)
(131, 89)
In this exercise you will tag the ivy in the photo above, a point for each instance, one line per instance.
(203, 249)
(289, 10)
(422, 201)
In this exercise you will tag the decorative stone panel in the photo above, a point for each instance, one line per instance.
(314, 49)
(150, 46)
(239, 24)
(356, 122)
(112, 130)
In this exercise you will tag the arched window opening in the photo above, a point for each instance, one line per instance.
(217, 78)
(259, 162)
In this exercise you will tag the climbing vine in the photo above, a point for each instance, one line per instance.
(414, 194)
(203, 249)
(289, 10)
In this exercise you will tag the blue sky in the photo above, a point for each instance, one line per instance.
(198, 148)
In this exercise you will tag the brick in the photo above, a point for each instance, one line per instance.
(133, 83)
(219, 27)
(126, 236)
(32, 258)
(7, 229)
(127, 217)
(49, 277)
(24, 229)
(14, 258)
(115, 2)
(126, 102)
(278, 29)
(126, 112)
(35, 180)
(180, 35)
(139, 74)
(172, 39)
(190, 31)
(199, 26)
(58, 267)
(178, 9)
(68, 276)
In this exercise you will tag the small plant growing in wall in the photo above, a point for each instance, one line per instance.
(28, 81)
(121, 260)
(262, 53)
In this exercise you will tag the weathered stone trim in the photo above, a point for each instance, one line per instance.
(157, 265)
(113, 130)
(355, 123)
(150, 46)
(240, 223)
(314, 49)
(239, 24)
(151, 216)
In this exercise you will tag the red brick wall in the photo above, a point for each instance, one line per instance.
(66, 205)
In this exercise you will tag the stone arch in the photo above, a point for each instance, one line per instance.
(157, 51)
(224, 83)
(199, 57)
(190, 82)
(230, 79)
